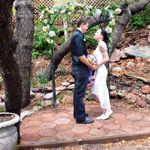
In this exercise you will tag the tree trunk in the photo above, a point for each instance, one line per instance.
(95, 20)
(24, 37)
(8, 61)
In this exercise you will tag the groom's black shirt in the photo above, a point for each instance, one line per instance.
(78, 47)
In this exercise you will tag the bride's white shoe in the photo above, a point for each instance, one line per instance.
(105, 115)
(101, 116)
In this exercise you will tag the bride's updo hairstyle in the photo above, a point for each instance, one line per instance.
(105, 35)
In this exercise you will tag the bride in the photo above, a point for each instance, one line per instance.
(99, 88)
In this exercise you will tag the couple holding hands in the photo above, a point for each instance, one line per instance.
(80, 72)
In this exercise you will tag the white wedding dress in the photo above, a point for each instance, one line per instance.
(100, 87)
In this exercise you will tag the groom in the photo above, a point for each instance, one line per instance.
(80, 70)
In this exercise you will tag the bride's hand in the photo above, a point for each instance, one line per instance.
(93, 67)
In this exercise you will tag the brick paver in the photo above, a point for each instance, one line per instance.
(58, 124)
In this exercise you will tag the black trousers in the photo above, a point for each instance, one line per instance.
(81, 76)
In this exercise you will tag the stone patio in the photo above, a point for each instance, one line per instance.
(54, 125)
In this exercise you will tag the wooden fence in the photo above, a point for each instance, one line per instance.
(94, 3)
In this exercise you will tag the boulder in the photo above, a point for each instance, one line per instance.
(132, 98)
(65, 84)
(145, 89)
(138, 51)
(141, 103)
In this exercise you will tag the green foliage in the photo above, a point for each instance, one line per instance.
(42, 79)
(2, 109)
(40, 46)
(140, 20)
(90, 41)
(38, 103)
(137, 22)
(33, 83)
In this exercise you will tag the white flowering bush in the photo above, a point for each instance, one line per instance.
(46, 33)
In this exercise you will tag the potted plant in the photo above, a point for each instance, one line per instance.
(8, 132)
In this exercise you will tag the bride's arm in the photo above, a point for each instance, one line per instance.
(103, 49)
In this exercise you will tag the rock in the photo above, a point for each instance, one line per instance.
(148, 26)
(67, 98)
(113, 93)
(25, 114)
(130, 65)
(32, 95)
(71, 87)
(113, 87)
(122, 93)
(65, 83)
(138, 51)
(39, 66)
(145, 89)
(49, 103)
(50, 95)
(138, 60)
(90, 96)
(117, 55)
(148, 98)
(2, 104)
(118, 69)
(36, 108)
(135, 91)
(39, 96)
(141, 103)
(71, 81)
(132, 98)
(149, 39)
(60, 88)
(147, 60)
(143, 42)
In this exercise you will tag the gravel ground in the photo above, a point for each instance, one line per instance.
(143, 144)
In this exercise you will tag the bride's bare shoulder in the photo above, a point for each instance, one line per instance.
(102, 46)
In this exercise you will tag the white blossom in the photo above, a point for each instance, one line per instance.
(42, 12)
(72, 8)
(49, 41)
(69, 13)
(112, 22)
(118, 11)
(90, 7)
(63, 11)
(48, 26)
(111, 16)
(44, 29)
(108, 29)
(52, 41)
(41, 16)
(98, 12)
(51, 12)
(46, 21)
(52, 34)
(106, 8)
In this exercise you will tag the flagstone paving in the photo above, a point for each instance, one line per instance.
(58, 124)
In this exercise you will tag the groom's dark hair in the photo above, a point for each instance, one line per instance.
(83, 20)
